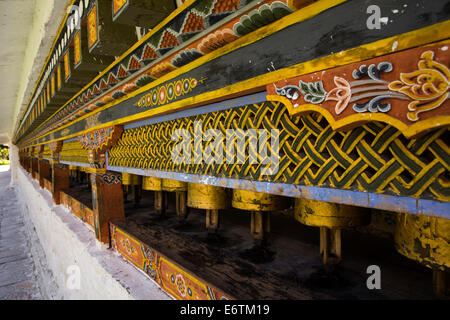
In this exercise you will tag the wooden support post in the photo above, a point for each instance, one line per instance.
(44, 172)
(441, 287)
(260, 226)
(60, 180)
(160, 202)
(60, 173)
(212, 220)
(106, 187)
(107, 202)
(34, 168)
(330, 246)
(136, 191)
(181, 204)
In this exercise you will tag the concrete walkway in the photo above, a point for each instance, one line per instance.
(17, 272)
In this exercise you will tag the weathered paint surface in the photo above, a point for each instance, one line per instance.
(424, 239)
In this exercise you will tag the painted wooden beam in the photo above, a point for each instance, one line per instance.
(104, 36)
(142, 13)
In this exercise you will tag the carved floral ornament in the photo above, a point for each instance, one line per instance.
(387, 89)
(101, 140)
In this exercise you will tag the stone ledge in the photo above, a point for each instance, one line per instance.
(66, 241)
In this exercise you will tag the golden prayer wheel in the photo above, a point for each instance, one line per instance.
(180, 189)
(260, 205)
(201, 196)
(331, 218)
(155, 184)
(256, 201)
(129, 179)
(132, 181)
(152, 184)
(174, 185)
(210, 198)
(426, 240)
(73, 171)
(331, 215)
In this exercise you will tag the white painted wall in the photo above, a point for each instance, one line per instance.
(64, 240)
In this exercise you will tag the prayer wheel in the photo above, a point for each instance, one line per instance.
(426, 240)
(180, 189)
(73, 171)
(210, 198)
(155, 184)
(132, 181)
(260, 205)
(129, 179)
(330, 218)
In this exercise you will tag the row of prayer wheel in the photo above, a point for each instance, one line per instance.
(421, 238)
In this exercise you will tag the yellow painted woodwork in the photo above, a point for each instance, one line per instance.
(424, 239)
(330, 215)
(131, 179)
(152, 184)
(255, 201)
(207, 197)
(174, 185)
(436, 32)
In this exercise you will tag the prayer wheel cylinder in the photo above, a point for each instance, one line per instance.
(210, 198)
(331, 215)
(129, 179)
(256, 201)
(426, 240)
(132, 181)
(201, 196)
(152, 184)
(155, 184)
(180, 189)
(260, 205)
(331, 218)
(73, 171)
(174, 185)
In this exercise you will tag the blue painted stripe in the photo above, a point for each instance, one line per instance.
(78, 164)
(349, 197)
(219, 106)
(71, 139)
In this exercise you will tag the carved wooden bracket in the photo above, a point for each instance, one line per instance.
(55, 147)
(101, 140)
(408, 89)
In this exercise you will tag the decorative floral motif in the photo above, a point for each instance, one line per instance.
(342, 94)
(101, 139)
(428, 86)
(181, 285)
(168, 92)
(110, 178)
(128, 247)
(313, 92)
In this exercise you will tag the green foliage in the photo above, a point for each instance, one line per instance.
(313, 91)
(4, 154)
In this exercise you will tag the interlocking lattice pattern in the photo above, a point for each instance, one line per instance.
(374, 157)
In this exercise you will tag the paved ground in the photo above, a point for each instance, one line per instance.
(17, 275)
